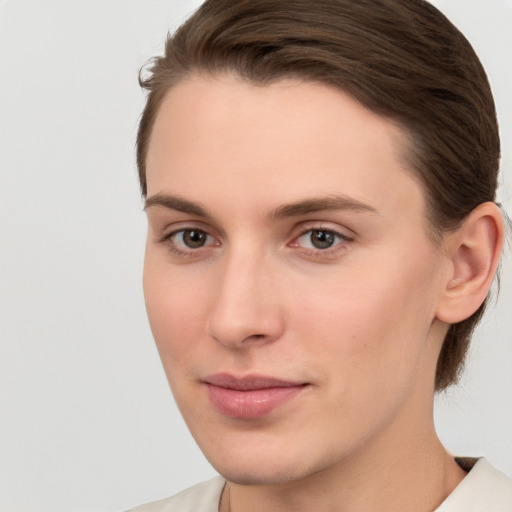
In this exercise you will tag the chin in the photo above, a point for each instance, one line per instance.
(258, 475)
(274, 467)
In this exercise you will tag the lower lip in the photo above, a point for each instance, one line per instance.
(253, 403)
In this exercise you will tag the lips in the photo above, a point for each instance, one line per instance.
(251, 396)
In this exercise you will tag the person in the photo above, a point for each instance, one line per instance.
(320, 184)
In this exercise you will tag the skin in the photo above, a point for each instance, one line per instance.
(358, 323)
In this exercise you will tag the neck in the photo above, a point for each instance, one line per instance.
(403, 471)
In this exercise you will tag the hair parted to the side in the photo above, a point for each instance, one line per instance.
(400, 58)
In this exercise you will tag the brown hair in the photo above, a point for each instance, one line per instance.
(400, 58)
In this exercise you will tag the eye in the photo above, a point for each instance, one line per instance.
(320, 239)
(186, 239)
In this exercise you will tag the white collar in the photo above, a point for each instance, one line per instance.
(483, 489)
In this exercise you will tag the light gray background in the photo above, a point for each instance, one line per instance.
(87, 421)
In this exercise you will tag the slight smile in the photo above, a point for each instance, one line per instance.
(251, 396)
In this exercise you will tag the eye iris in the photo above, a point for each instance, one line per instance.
(194, 238)
(322, 239)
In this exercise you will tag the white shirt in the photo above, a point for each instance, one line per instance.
(484, 489)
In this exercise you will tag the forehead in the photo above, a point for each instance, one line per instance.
(275, 144)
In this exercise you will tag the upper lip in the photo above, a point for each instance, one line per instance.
(248, 382)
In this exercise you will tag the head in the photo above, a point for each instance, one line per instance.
(415, 98)
(401, 59)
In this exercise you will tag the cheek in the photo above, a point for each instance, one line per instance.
(174, 304)
(371, 322)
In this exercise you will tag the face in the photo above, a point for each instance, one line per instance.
(290, 280)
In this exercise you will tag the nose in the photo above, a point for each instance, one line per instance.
(245, 311)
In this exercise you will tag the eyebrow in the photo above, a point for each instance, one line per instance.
(331, 203)
(176, 203)
(305, 207)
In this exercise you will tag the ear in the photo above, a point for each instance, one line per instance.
(474, 251)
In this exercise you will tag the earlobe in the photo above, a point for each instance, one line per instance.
(474, 251)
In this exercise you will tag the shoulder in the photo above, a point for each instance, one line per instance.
(203, 497)
(484, 488)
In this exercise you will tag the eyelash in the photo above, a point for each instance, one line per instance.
(191, 252)
(343, 240)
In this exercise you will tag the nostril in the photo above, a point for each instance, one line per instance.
(254, 338)
(238, 321)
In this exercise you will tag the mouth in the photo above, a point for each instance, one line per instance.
(251, 396)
